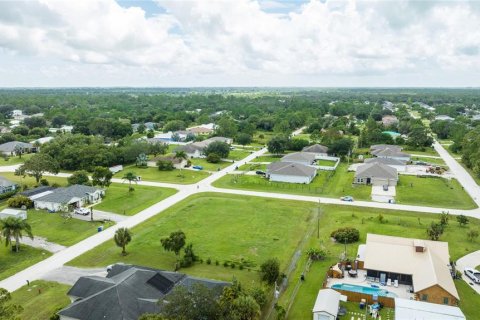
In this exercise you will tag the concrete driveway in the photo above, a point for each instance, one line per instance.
(70, 275)
(471, 261)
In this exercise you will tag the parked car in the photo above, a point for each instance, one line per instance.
(347, 198)
(473, 274)
(260, 172)
(197, 167)
(82, 211)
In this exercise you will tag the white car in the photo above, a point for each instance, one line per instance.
(82, 211)
(473, 274)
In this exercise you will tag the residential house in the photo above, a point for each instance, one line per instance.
(376, 174)
(7, 185)
(178, 163)
(389, 120)
(400, 165)
(9, 148)
(17, 113)
(68, 198)
(443, 117)
(305, 158)
(15, 213)
(127, 292)
(327, 304)
(63, 129)
(116, 169)
(389, 151)
(195, 149)
(290, 172)
(406, 309)
(421, 264)
(317, 149)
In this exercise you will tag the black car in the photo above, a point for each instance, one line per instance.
(260, 172)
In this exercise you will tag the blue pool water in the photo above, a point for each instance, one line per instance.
(366, 290)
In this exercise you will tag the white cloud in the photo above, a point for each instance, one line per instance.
(241, 40)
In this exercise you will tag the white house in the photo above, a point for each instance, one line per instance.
(376, 174)
(116, 169)
(411, 309)
(443, 117)
(16, 213)
(68, 198)
(290, 172)
(327, 304)
(305, 158)
(399, 165)
(17, 113)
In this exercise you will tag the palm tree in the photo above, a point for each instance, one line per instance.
(180, 155)
(130, 176)
(13, 228)
(122, 238)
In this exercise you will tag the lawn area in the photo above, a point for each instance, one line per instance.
(119, 200)
(433, 191)
(174, 176)
(429, 160)
(210, 166)
(339, 184)
(40, 306)
(429, 151)
(238, 154)
(15, 160)
(253, 167)
(395, 223)
(240, 234)
(13, 262)
(269, 158)
(55, 229)
(303, 136)
(325, 163)
(30, 181)
(469, 299)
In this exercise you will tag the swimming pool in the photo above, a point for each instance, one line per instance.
(366, 290)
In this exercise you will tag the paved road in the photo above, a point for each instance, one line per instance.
(460, 173)
(471, 260)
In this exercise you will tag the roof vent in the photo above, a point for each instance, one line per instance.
(419, 245)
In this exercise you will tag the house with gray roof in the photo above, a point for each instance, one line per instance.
(195, 149)
(376, 174)
(400, 165)
(305, 158)
(62, 199)
(7, 185)
(290, 172)
(317, 149)
(127, 292)
(389, 151)
(9, 148)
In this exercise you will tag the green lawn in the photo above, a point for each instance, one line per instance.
(429, 151)
(270, 158)
(238, 154)
(395, 223)
(262, 137)
(56, 229)
(30, 181)
(119, 200)
(469, 299)
(175, 176)
(210, 166)
(253, 167)
(240, 232)
(41, 305)
(303, 136)
(429, 160)
(325, 163)
(13, 262)
(15, 160)
(433, 191)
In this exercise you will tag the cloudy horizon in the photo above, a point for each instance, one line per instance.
(241, 43)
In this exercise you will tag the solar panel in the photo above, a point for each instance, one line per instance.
(161, 283)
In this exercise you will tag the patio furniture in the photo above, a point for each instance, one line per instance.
(389, 282)
(395, 283)
(352, 273)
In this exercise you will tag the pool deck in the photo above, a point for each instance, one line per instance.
(361, 280)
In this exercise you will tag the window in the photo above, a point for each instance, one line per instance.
(424, 297)
(445, 300)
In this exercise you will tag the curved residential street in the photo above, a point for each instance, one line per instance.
(47, 267)
(471, 260)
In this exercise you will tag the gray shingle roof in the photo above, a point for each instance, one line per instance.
(316, 148)
(37, 190)
(379, 147)
(4, 182)
(391, 153)
(199, 146)
(290, 169)
(386, 161)
(126, 293)
(65, 195)
(376, 170)
(10, 146)
(299, 156)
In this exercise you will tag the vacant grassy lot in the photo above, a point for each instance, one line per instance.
(40, 306)
(395, 223)
(210, 166)
(175, 176)
(119, 200)
(429, 160)
(238, 154)
(30, 181)
(245, 229)
(13, 262)
(429, 151)
(253, 167)
(56, 229)
(434, 192)
(269, 158)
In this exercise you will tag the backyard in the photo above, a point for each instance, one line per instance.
(175, 176)
(119, 200)
(12, 160)
(268, 158)
(240, 235)
(30, 181)
(13, 262)
(238, 154)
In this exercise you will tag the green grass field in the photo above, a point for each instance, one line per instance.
(119, 200)
(270, 158)
(325, 163)
(56, 229)
(15, 160)
(210, 166)
(174, 176)
(429, 160)
(429, 151)
(238, 154)
(13, 262)
(40, 306)
(30, 181)
(434, 192)
(248, 228)
(469, 299)
(253, 167)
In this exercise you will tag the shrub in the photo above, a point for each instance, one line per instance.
(232, 265)
(7, 194)
(189, 257)
(259, 295)
(165, 165)
(316, 254)
(20, 201)
(44, 182)
(209, 261)
(217, 263)
(213, 158)
(270, 270)
(472, 235)
(225, 264)
(346, 235)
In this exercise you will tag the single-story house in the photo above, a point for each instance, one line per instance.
(64, 129)
(16, 213)
(400, 165)
(7, 185)
(421, 264)
(406, 309)
(178, 163)
(127, 292)
(195, 149)
(9, 148)
(389, 120)
(379, 147)
(317, 149)
(116, 169)
(327, 304)
(74, 196)
(443, 117)
(376, 174)
(37, 192)
(17, 113)
(305, 158)
(389, 151)
(201, 131)
(290, 172)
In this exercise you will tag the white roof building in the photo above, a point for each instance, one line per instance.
(15, 213)
(418, 310)
(327, 304)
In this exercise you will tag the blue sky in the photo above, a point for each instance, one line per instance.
(239, 43)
